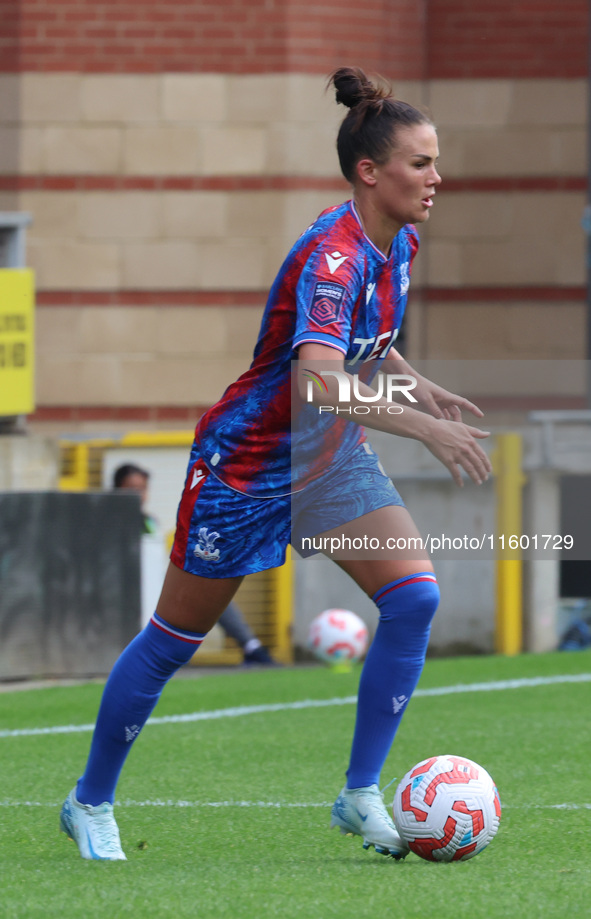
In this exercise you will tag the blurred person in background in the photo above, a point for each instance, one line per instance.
(134, 478)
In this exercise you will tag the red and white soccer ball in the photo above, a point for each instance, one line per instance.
(447, 808)
(338, 636)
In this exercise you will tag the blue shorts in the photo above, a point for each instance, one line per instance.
(222, 533)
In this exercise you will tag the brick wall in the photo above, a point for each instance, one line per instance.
(225, 36)
(171, 152)
(507, 38)
(402, 38)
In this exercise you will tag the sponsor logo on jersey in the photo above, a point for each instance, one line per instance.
(334, 260)
(205, 546)
(326, 303)
(369, 292)
(376, 348)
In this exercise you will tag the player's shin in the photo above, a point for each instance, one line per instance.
(130, 694)
(391, 671)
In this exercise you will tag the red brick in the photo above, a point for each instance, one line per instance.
(185, 413)
(507, 38)
(246, 36)
(459, 38)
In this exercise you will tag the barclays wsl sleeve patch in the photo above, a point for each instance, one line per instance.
(326, 303)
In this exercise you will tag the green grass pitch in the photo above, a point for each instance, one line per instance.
(228, 817)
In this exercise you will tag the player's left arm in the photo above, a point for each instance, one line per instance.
(436, 400)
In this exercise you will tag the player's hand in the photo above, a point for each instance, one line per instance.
(440, 403)
(455, 444)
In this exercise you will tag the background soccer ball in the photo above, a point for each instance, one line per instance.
(337, 636)
(447, 808)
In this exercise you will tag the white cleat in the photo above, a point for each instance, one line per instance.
(93, 829)
(362, 811)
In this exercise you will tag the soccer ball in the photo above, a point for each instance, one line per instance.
(338, 636)
(447, 808)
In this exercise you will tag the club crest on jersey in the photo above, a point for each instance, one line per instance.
(205, 547)
(326, 303)
(404, 279)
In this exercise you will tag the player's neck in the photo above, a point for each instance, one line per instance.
(378, 229)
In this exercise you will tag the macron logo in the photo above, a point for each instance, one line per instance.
(198, 474)
(399, 703)
(334, 260)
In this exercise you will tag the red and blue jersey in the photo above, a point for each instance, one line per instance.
(335, 288)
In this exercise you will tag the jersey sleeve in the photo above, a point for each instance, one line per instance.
(326, 293)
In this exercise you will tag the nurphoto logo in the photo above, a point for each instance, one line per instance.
(389, 386)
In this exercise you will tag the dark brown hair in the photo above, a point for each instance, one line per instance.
(369, 129)
(123, 472)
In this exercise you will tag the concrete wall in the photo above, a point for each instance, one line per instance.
(28, 463)
(69, 582)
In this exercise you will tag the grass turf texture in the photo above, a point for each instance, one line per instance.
(240, 861)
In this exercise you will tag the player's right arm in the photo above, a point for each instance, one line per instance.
(454, 443)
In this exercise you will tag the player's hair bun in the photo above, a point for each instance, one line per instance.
(370, 127)
(353, 88)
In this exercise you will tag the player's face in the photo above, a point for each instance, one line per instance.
(138, 483)
(406, 183)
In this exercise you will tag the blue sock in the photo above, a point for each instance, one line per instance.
(391, 671)
(130, 694)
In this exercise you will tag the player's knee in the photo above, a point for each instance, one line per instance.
(413, 599)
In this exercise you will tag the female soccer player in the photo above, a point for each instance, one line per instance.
(337, 302)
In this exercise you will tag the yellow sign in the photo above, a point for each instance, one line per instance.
(17, 356)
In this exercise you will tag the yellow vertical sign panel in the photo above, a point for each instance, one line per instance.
(509, 481)
(17, 354)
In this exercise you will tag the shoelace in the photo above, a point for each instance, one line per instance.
(106, 831)
(374, 801)
(385, 788)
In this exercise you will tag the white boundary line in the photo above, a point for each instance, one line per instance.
(274, 804)
(243, 710)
